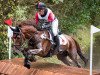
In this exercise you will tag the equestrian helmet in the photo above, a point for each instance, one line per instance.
(40, 5)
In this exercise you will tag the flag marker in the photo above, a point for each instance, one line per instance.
(93, 30)
(10, 34)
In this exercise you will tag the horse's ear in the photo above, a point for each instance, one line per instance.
(13, 28)
(17, 29)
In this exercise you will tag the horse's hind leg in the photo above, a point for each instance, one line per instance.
(73, 56)
(63, 58)
(82, 57)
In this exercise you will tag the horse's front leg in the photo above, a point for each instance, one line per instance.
(26, 60)
(36, 51)
(41, 50)
(31, 56)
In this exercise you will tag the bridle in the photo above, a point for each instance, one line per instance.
(22, 40)
(21, 37)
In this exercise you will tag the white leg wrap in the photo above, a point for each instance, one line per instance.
(36, 51)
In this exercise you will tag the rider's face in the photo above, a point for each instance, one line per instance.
(41, 11)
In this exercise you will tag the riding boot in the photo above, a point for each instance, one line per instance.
(56, 39)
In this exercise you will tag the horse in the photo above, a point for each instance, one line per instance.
(39, 43)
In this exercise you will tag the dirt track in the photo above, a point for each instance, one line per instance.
(42, 68)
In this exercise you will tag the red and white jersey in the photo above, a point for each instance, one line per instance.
(49, 16)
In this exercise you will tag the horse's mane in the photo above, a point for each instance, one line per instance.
(28, 22)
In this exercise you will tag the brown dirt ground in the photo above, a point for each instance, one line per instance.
(52, 68)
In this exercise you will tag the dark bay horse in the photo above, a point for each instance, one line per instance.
(39, 44)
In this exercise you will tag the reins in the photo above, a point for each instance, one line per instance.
(23, 43)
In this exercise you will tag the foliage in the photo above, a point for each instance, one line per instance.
(6, 11)
(3, 43)
(75, 17)
(20, 13)
(82, 36)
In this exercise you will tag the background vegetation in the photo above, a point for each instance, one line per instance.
(75, 18)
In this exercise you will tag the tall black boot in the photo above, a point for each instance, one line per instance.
(56, 40)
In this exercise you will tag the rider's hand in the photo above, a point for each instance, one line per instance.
(46, 25)
(43, 26)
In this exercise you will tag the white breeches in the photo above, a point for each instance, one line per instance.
(55, 27)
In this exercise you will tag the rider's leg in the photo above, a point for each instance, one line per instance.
(52, 35)
(55, 27)
(55, 33)
(56, 39)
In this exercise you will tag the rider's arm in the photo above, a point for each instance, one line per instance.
(36, 18)
(51, 17)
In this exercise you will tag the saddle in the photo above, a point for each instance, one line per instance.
(56, 41)
(59, 39)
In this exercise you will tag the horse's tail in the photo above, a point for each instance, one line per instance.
(79, 51)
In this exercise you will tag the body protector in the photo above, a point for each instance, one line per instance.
(49, 17)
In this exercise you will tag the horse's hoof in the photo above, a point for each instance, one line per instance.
(27, 66)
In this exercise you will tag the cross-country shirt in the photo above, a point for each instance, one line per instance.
(49, 16)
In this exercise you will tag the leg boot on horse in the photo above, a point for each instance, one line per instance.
(26, 61)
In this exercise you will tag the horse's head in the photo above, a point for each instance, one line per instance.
(22, 32)
(18, 38)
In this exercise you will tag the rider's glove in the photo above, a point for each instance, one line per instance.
(43, 26)
(46, 25)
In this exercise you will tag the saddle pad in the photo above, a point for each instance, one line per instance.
(63, 40)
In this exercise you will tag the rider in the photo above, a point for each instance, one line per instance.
(45, 13)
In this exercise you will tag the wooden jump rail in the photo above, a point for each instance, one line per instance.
(15, 67)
